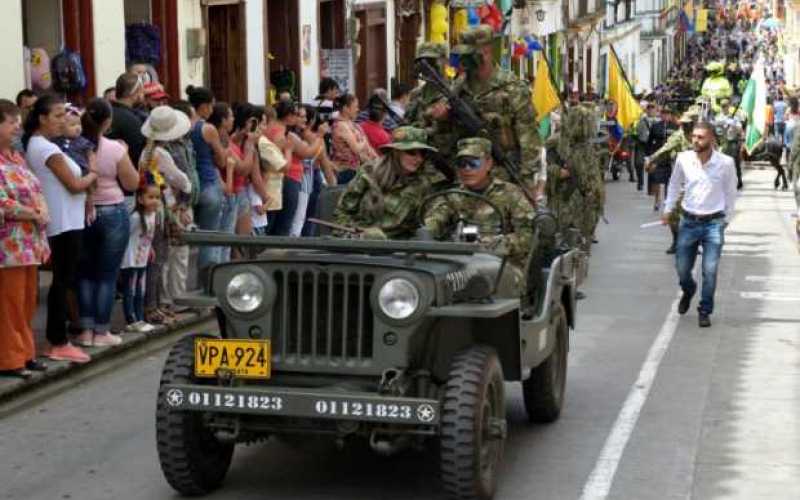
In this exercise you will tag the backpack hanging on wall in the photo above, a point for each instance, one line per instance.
(66, 69)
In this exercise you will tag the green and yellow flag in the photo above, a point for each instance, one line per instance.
(545, 96)
(754, 105)
(619, 91)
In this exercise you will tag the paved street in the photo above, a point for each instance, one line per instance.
(711, 415)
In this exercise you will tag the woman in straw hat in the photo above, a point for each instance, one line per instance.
(164, 125)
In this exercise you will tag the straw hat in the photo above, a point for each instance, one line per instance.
(166, 124)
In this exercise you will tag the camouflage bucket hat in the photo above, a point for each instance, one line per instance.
(431, 50)
(477, 37)
(409, 138)
(474, 146)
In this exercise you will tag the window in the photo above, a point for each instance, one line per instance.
(42, 26)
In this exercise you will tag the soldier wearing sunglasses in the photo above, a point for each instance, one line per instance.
(474, 164)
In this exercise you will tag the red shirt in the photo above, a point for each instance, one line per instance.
(376, 134)
(239, 181)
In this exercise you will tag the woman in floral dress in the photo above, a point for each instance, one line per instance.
(23, 247)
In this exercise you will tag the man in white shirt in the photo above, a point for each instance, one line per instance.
(708, 179)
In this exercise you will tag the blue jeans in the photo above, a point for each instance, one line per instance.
(208, 216)
(691, 234)
(310, 229)
(281, 224)
(133, 284)
(231, 206)
(104, 244)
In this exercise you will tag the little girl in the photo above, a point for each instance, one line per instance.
(139, 252)
(72, 143)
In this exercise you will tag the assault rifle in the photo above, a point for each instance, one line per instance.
(466, 115)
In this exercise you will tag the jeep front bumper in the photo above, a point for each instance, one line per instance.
(304, 403)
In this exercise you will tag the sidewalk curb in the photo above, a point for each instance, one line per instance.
(59, 369)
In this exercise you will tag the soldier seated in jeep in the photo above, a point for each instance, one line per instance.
(498, 212)
(383, 199)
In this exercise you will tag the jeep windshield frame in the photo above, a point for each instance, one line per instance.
(337, 245)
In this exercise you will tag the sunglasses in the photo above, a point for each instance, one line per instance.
(469, 163)
(414, 152)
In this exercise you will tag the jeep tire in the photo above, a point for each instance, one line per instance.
(543, 392)
(473, 424)
(193, 461)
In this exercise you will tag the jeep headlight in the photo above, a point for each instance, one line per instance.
(245, 292)
(398, 298)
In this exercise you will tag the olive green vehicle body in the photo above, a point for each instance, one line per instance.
(330, 341)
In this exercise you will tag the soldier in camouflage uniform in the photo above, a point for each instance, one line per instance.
(503, 101)
(384, 197)
(575, 187)
(474, 164)
(424, 102)
(678, 141)
(425, 96)
(794, 166)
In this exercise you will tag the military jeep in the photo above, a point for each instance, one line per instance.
(394, 343)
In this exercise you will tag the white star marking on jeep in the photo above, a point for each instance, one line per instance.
(426, 413)
(174, 397)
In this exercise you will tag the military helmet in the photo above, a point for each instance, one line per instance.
(431, 50)
(474, 146)
(409, 138)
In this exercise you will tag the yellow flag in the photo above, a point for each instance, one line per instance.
(545, 97)
(628, 110)
(701, 23)
(689, 9)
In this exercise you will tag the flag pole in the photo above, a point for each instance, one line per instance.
(621, 69)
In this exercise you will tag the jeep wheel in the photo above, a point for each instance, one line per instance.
(544, 390)
(473, 428)
(193, 461)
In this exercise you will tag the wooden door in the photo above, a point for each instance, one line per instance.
(165, 16)
(371, 67)
(227, 63)
(284, 43)
(77, 16)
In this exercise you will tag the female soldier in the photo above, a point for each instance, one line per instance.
(384, 197)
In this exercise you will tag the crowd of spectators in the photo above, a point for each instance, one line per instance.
(101, 193)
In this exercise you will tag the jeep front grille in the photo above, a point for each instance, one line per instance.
(322, 317)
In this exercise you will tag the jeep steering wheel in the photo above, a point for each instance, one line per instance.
(426, 204)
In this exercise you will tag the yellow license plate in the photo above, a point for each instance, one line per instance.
(240, 358)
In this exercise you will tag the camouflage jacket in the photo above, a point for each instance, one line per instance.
(440, 135)
(394, 209)
(504, 103)
(420, 99)
(794, 157)
(442, 217)
(676, 143)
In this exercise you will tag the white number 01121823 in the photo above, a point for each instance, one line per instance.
(359, 409)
